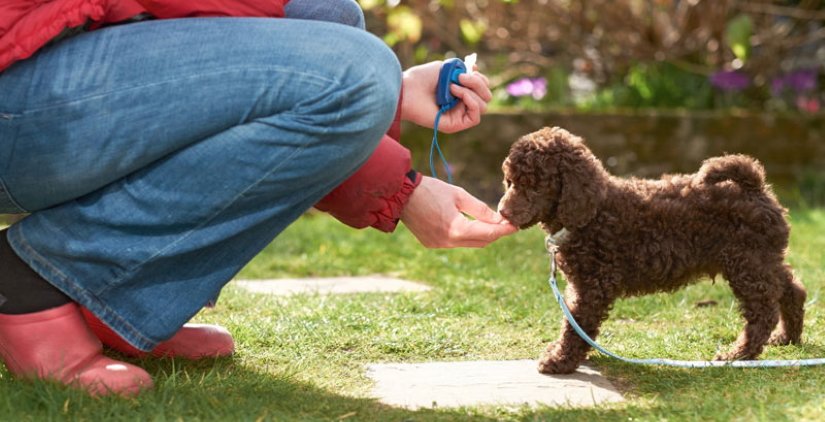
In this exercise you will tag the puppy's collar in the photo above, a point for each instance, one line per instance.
(557, 239)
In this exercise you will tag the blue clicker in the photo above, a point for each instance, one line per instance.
(449, 74)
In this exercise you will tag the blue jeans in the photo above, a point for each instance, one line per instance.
(158, 158)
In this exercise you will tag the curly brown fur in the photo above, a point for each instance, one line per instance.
(636, 236)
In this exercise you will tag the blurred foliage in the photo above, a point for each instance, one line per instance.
(597, 54)
(656, 84)
(810, 192)
(738, 36)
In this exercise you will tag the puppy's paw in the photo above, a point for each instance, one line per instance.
(735, 354)
(780, 338)
(554, 362)
(553, 367)
(726, 356)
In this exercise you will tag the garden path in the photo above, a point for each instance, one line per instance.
(452, 384)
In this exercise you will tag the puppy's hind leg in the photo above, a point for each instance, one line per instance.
(791, 307)
(564, 355)
(758, 292)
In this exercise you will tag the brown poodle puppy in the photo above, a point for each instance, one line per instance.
(633, 236)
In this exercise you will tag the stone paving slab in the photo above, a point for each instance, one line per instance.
(331, 285)
(515, 382)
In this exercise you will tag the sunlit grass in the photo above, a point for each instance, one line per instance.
(302, 358)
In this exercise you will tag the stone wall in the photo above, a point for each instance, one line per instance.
(792, 148)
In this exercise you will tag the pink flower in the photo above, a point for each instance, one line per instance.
(535, 87)
(808, 105)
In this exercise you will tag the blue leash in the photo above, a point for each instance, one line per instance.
(552, 248)
(436, 147)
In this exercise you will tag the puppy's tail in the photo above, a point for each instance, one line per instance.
(743, 170)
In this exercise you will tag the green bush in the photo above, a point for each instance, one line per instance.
(655, 85)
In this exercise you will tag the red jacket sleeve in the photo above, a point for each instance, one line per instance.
(164, 9)
(375, 195)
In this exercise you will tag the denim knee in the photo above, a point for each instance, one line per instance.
(345, 12)
(388, 77)
(374, 83)
(350, 12)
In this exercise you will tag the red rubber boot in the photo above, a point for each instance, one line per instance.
(56, 345)
(192, 341)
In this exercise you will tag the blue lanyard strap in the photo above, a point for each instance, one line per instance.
(435, 147)
(552, 249)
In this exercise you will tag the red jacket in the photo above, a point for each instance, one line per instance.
(373, 196)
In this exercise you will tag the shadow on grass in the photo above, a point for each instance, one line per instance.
(220, 390)
(227, 389)
(717, 393)
(224, 389)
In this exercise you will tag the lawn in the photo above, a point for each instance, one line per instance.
(302, 358)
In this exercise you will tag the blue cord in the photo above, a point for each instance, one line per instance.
(435, 146)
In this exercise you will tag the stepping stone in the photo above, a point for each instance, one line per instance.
(332, 285)
(516, 382)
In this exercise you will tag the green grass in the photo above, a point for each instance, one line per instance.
(302, 358)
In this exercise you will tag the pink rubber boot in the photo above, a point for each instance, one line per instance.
(192, 341)
(56, 345)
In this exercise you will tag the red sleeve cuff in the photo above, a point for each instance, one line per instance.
(376, 194)
(387, 218)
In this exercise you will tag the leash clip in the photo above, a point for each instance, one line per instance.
(550, 244)
(552, 248)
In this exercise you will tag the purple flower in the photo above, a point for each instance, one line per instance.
(535, 87)
(539, 88)
(802, 80)
(799, 81)
(777, 86)
(730, 80)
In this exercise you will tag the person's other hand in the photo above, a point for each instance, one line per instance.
(435, 214)
(418, 104)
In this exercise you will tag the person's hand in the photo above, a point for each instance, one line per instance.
(418, 104)
(435, 216)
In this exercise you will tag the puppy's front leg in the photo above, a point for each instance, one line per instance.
(589, 308)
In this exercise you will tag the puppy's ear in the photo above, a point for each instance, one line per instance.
(583, 185)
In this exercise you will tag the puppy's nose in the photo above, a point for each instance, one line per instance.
(504, 211)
